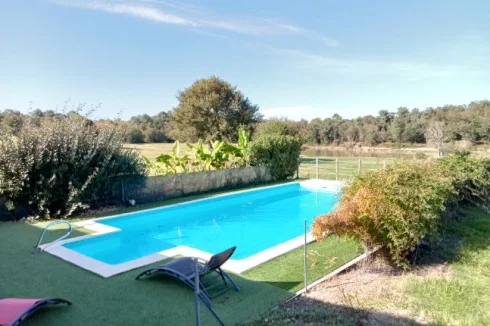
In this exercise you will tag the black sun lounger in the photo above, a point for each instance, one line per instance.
(184, 269)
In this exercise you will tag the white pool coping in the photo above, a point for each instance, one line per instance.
(234, 265)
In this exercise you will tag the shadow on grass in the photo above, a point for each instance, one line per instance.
(469, 232)
(307, 311)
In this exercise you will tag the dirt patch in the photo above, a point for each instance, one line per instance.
(369, 293)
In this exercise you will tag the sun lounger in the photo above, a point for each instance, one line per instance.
(13, 311)
(184, 269)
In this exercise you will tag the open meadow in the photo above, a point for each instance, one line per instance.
(347, 168)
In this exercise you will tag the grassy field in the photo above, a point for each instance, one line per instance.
(120, 300)
(153, 150)
(347, 167)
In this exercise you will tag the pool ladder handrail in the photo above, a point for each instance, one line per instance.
(70, 229)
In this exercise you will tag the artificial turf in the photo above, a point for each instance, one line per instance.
(286, 271)
(120, 300)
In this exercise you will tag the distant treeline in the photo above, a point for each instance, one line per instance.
(460, 122)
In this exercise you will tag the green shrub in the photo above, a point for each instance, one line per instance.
(397, 208)
(279, 153)
(470, 178)
(50, 168)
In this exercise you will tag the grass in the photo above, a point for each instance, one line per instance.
(120, 300)
(152, 150)
(286, 271)
(462, 298)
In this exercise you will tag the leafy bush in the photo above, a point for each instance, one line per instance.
(49, 169)
(397, 208)
(279, 153)
(470, 178)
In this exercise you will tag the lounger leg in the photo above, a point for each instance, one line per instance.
(204, 293)
(237, 288)
(208, 306)
(220, 273)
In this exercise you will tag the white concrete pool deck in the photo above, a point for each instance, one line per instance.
(235, 266)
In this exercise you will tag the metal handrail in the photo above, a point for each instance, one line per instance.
(38, 249)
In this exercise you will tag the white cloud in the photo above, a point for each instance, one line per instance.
(408, 70)
(168, 12)
(139, 11)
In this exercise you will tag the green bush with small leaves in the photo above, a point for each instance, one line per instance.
(470, 177)
(278, 152)
(54, 167)
(397, 208)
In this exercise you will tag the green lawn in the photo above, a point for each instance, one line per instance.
(463, 298)
(120, 300)
(286, 271)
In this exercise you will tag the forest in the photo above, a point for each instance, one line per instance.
(213, 109)
(460, 122)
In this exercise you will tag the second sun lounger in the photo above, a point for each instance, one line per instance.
(184, 269)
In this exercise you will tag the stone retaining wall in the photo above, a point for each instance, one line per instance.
(177, 185)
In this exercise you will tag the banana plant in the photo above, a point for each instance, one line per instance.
(173, 162)
(201, 156)
(155, 167)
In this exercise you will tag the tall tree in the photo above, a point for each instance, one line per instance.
(212, 109)
(435, 133)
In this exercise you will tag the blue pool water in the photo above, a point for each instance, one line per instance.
(253, 221)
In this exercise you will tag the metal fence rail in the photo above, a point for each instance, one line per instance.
(335, 168)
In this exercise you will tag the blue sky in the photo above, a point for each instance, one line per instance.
(299, 59)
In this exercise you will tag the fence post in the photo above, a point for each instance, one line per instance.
(122, 191)
(384, 164)
(306, 264)
(359, 167)
(316, 170)
(337, 169)
(297, 170)
(196, 296)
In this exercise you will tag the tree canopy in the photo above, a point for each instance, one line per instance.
(212, 108)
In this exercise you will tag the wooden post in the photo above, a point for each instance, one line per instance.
(316, 168)
(359, 167)
(384, 164)
(306, 264)
(337, 169)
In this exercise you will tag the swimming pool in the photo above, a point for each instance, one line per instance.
(255, 221)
